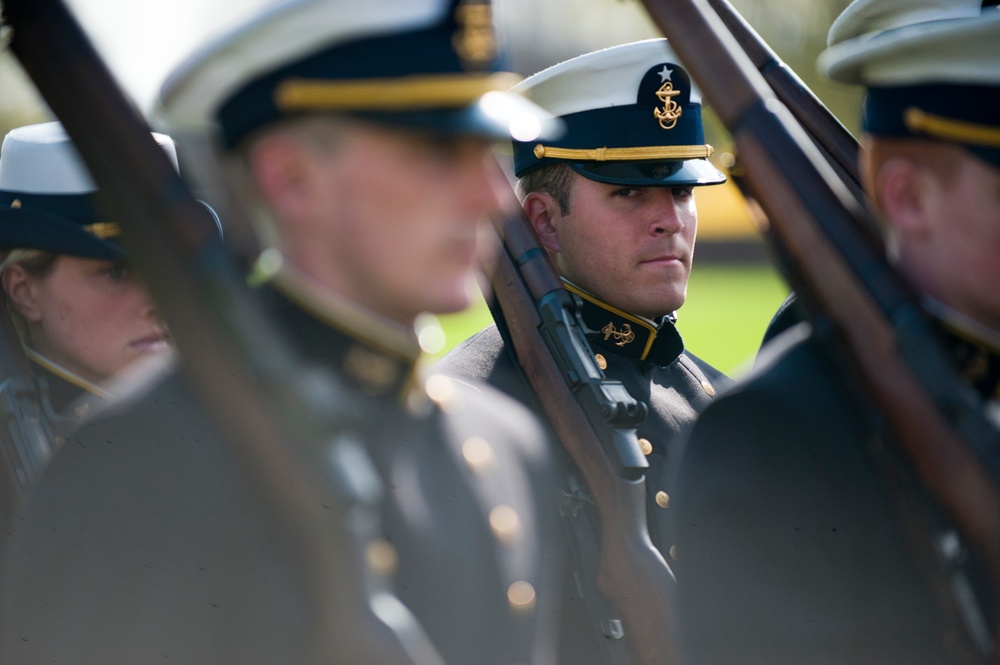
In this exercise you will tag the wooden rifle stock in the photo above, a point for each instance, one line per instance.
(937, 419)
(829, 133)
(837, 145)
(632, 574)
(282, 423)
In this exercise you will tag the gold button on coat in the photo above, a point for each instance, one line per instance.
(479, 455)
(662, 499)
(521, 596)
(505, 524)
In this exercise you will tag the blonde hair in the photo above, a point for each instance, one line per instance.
(35, 262)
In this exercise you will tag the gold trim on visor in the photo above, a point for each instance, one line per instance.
(104, 229)
(626, 154)
(389, 94)
(940, 127)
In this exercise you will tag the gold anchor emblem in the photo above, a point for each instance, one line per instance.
(671, 110)
(624, 336)
(474, 40)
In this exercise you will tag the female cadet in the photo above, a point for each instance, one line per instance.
(80, 312)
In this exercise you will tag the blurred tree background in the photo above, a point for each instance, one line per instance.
(734, 290)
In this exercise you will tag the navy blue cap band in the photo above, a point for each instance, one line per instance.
(59, 223)
(643, 144)
(391, 57)
(963, 114)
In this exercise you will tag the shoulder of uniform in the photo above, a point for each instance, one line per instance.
(473, 405)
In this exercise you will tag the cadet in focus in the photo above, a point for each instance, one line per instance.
(613, 201)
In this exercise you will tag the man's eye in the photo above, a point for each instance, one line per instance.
(682, 192)
(117, 272)
(626, 192)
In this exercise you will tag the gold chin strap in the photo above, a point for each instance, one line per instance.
(433, 91)
(626, 154)
(67, 375)
(920, 122)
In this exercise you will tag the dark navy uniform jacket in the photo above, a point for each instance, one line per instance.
(652, 365)
(145, 543)
(803, 537)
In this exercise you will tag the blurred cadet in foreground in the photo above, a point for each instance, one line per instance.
(804, 534)
(363, 132)
(79, 310)
(613, 201)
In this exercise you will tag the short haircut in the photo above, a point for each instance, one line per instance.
(940, 158)
(553, 179)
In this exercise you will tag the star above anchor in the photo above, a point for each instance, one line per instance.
(665, 74)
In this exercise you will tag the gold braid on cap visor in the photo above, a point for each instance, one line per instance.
(391, 93)
(103, 229)
(936, 126)
(626, 154)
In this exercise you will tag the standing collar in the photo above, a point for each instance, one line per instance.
(974, 348)
(626, 334)
(376, 355)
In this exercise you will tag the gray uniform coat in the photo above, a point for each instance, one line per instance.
(803, 536)
(145, 542)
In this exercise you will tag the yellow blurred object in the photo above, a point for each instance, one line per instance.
(723, 213)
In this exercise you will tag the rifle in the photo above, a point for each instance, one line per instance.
(835, 142)
(938, 421)
(296, 449)
(594, 418)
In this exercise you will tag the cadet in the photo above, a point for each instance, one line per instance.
(365, 132)
(82, 315)
(613, 200)
(803, 532)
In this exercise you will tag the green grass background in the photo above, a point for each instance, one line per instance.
(727, 309)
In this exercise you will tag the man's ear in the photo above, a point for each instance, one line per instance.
(544, 213)
(902, 197)
(19, 287)
(278, 169)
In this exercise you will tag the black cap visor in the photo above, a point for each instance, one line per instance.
(33, 229)
(651, 173)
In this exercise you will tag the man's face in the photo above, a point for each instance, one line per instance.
(631, 247)
(954, 252)
(390, 218)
